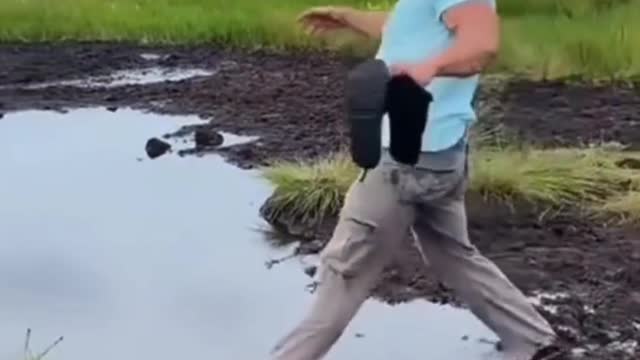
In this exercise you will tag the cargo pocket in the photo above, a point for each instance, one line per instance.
(352, 247)
(434, 185)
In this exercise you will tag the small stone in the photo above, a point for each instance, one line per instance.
(311, 271)
(112, 108)
(465, 338)
(207, 138)
(359, 335)
(156, 147)
(1, 115)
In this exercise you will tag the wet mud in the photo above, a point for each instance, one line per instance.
(293, 104)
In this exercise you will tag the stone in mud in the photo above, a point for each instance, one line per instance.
(207, 138)
(311, 271)
(156, 148)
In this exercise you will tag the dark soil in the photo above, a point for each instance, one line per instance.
(294, 103)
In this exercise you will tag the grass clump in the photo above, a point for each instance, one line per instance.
(310, 190)
(28, 353)
(588, 178)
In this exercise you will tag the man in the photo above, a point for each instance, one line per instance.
(443, 45)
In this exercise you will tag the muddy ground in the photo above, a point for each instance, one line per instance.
(294, 103)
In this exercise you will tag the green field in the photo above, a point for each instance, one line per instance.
(542, 38)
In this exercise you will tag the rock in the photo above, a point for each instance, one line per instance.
(207, 138)
(311, 271)
(1, 115)
(112, 108)
(156, 147)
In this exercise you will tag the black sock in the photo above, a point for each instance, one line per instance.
(407, 105)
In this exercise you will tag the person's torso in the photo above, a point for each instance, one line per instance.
(414, 32)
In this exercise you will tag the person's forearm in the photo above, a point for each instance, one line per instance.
(472, 51)
(367, 23)
(463, 61)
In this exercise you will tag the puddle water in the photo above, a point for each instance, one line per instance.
(128, 77)
(160, 259)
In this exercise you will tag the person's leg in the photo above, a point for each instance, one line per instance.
(441, 231)
(372, 223)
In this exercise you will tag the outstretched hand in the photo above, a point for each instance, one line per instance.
(323, 19)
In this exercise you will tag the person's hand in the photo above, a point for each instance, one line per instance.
(421, 73)
(323, 19)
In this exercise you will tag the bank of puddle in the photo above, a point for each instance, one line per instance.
(142, 76)
(164, 259)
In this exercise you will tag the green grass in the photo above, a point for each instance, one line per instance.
(582, 179)
(542, 38)
(597, 45)
(313, 189)
(28, 353)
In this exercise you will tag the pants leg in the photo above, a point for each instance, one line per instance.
(372, 223)
(441, 231)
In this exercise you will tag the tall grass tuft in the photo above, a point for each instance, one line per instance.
(586, 178)
(311, 190)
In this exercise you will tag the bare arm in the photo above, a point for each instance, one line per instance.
(367, 23)
(476, 29)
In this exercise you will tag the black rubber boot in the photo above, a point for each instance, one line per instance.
(366, 91)
(408, 107)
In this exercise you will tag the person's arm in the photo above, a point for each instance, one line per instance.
(368, 23)
(476, 28)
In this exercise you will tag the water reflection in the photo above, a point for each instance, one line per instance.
(159, 259)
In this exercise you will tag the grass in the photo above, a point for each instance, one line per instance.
(581, 178)
(542, 38)
(28, 353)
(311, 190)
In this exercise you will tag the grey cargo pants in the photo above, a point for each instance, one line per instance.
(379, 211)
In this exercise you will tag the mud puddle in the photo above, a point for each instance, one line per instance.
(142, 76)
(132, 258)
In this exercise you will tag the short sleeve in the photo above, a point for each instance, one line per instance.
(441, 6)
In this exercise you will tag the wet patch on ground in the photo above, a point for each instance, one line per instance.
(119, 78)
(292, 104)
(133, 258)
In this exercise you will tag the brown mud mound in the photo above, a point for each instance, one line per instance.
(293, 103)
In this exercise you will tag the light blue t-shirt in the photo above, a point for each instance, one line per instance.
(415, 31)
